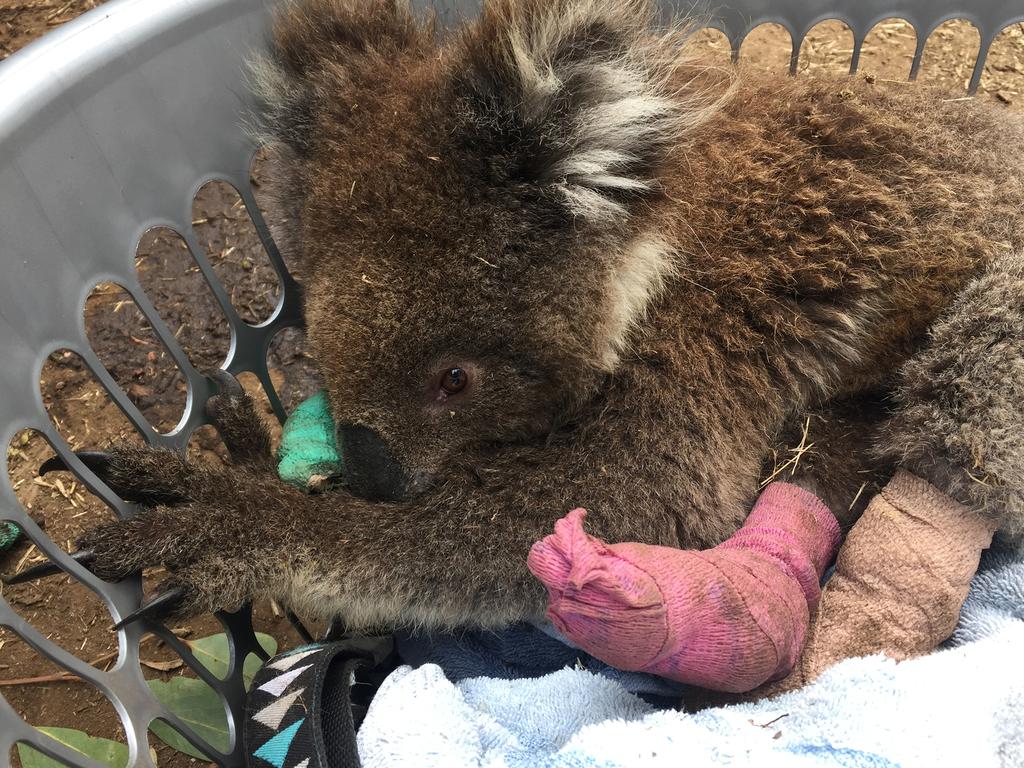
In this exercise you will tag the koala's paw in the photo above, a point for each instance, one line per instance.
(138, 474)
(201, 525)
(233, 412)
(203, 572)
(153, 476)
(960, 418)
(191, 521)
(201, 578)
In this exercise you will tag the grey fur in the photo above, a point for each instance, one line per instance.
(960, 419)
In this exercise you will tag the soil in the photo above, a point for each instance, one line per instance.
(70, 614)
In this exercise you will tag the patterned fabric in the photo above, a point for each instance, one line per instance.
(279, 723)
(301, 712)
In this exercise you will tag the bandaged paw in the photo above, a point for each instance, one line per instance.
(728, 618)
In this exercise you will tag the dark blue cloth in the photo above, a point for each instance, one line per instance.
(523, 650)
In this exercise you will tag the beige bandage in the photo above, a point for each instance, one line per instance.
(900, 580)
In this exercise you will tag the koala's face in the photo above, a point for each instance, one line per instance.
(425, 348)
(441, 314)
(470, 216)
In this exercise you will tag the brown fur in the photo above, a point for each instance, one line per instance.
(643, 311)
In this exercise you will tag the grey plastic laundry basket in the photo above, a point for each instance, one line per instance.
(108, 127)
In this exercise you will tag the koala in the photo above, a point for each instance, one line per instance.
(552, 259)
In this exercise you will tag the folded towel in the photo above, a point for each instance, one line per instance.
(996, 599)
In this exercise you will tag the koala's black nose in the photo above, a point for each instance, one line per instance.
(371, 470)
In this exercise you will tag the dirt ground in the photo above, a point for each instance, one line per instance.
(70, 614)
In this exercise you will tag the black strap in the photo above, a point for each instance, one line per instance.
(336, 736)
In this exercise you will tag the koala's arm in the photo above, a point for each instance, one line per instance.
(240, 535)
(456, 557)
(960, 418)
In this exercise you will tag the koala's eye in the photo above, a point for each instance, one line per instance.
(454, 381)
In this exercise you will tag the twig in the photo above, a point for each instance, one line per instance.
(793, 461)
(58, 678)
(61, 677)
(859, 492)
(59, 11)
(24, 558)
(770, 722)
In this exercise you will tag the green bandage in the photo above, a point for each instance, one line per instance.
(9, 534)
(309, 452)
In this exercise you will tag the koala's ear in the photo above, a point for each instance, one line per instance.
(582, 97)
(315, 40)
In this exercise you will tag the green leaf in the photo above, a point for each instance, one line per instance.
(104, 751)
(250, 667)
(196, 703)
(198, 706)
(212, 653)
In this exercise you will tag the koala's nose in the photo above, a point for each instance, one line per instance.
(370, 468)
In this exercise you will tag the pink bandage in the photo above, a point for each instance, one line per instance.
(728, 618)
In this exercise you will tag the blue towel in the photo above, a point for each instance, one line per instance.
(995, 600)
(961, 706)
(524, 651)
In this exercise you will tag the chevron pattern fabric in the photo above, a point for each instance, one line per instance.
(280, 725)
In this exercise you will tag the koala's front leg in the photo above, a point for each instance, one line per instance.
(455, 557)
(960, 418)
(220, 542)
(232, 536)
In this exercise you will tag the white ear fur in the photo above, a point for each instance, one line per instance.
(637, 279)
(624, 91)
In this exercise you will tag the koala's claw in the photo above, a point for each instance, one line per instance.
(228, 384)
(163, 604)
(97, 461)
(43, 570)
(148, 476)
